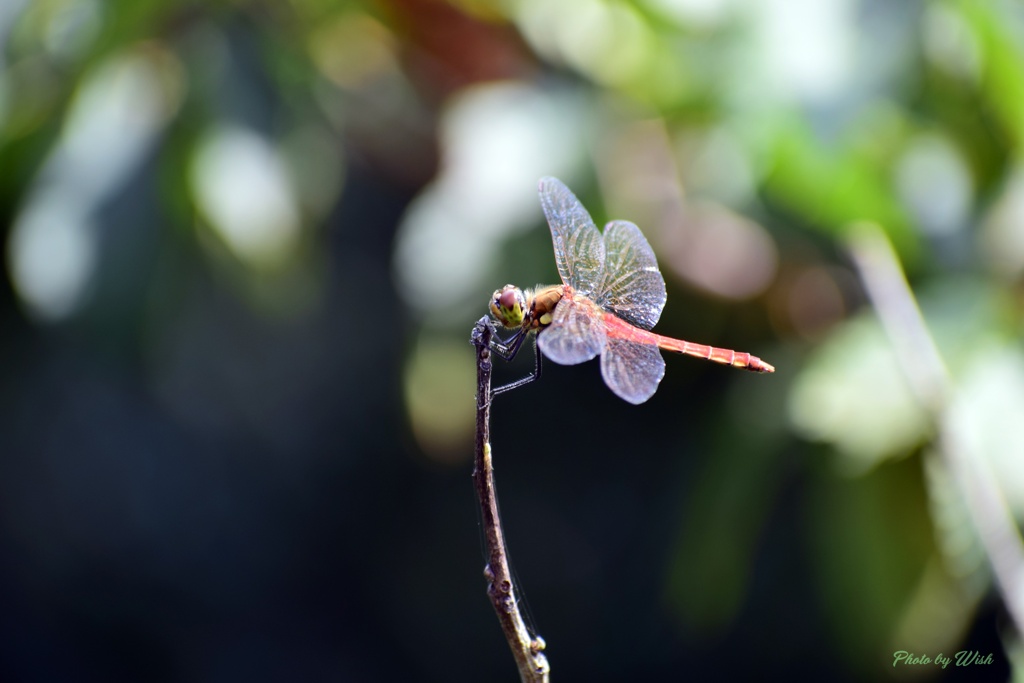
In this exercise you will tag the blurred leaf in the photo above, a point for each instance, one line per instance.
(936, 611)
(830, 188)
(955, 532)
(852, 394)
(872, 541)
(1002, 64)
(964, 315)
(438, 379)
(1000, 237)
(985, 413)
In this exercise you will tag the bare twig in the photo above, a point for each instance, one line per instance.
(929, 380)
(526, 648)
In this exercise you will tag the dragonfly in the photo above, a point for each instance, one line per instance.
(611, 296)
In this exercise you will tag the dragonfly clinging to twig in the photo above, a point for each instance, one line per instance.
(611, 295)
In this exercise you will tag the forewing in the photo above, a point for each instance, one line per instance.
(632, 370)
(575, 334)
(633, 287)
(579, 249)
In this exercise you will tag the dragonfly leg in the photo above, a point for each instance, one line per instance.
(508, 348)
(535, 375)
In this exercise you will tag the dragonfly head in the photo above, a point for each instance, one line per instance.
(508, 306)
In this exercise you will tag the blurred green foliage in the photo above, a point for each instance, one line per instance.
(171, 172)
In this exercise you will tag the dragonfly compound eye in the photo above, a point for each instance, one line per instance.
(508, 300)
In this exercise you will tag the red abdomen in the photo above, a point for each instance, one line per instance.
(616, 328)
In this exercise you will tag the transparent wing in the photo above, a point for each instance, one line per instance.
(576, 333)
(579, 249)
(632, 287)
(632, 370)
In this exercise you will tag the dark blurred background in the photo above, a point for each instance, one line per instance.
(245, 242)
